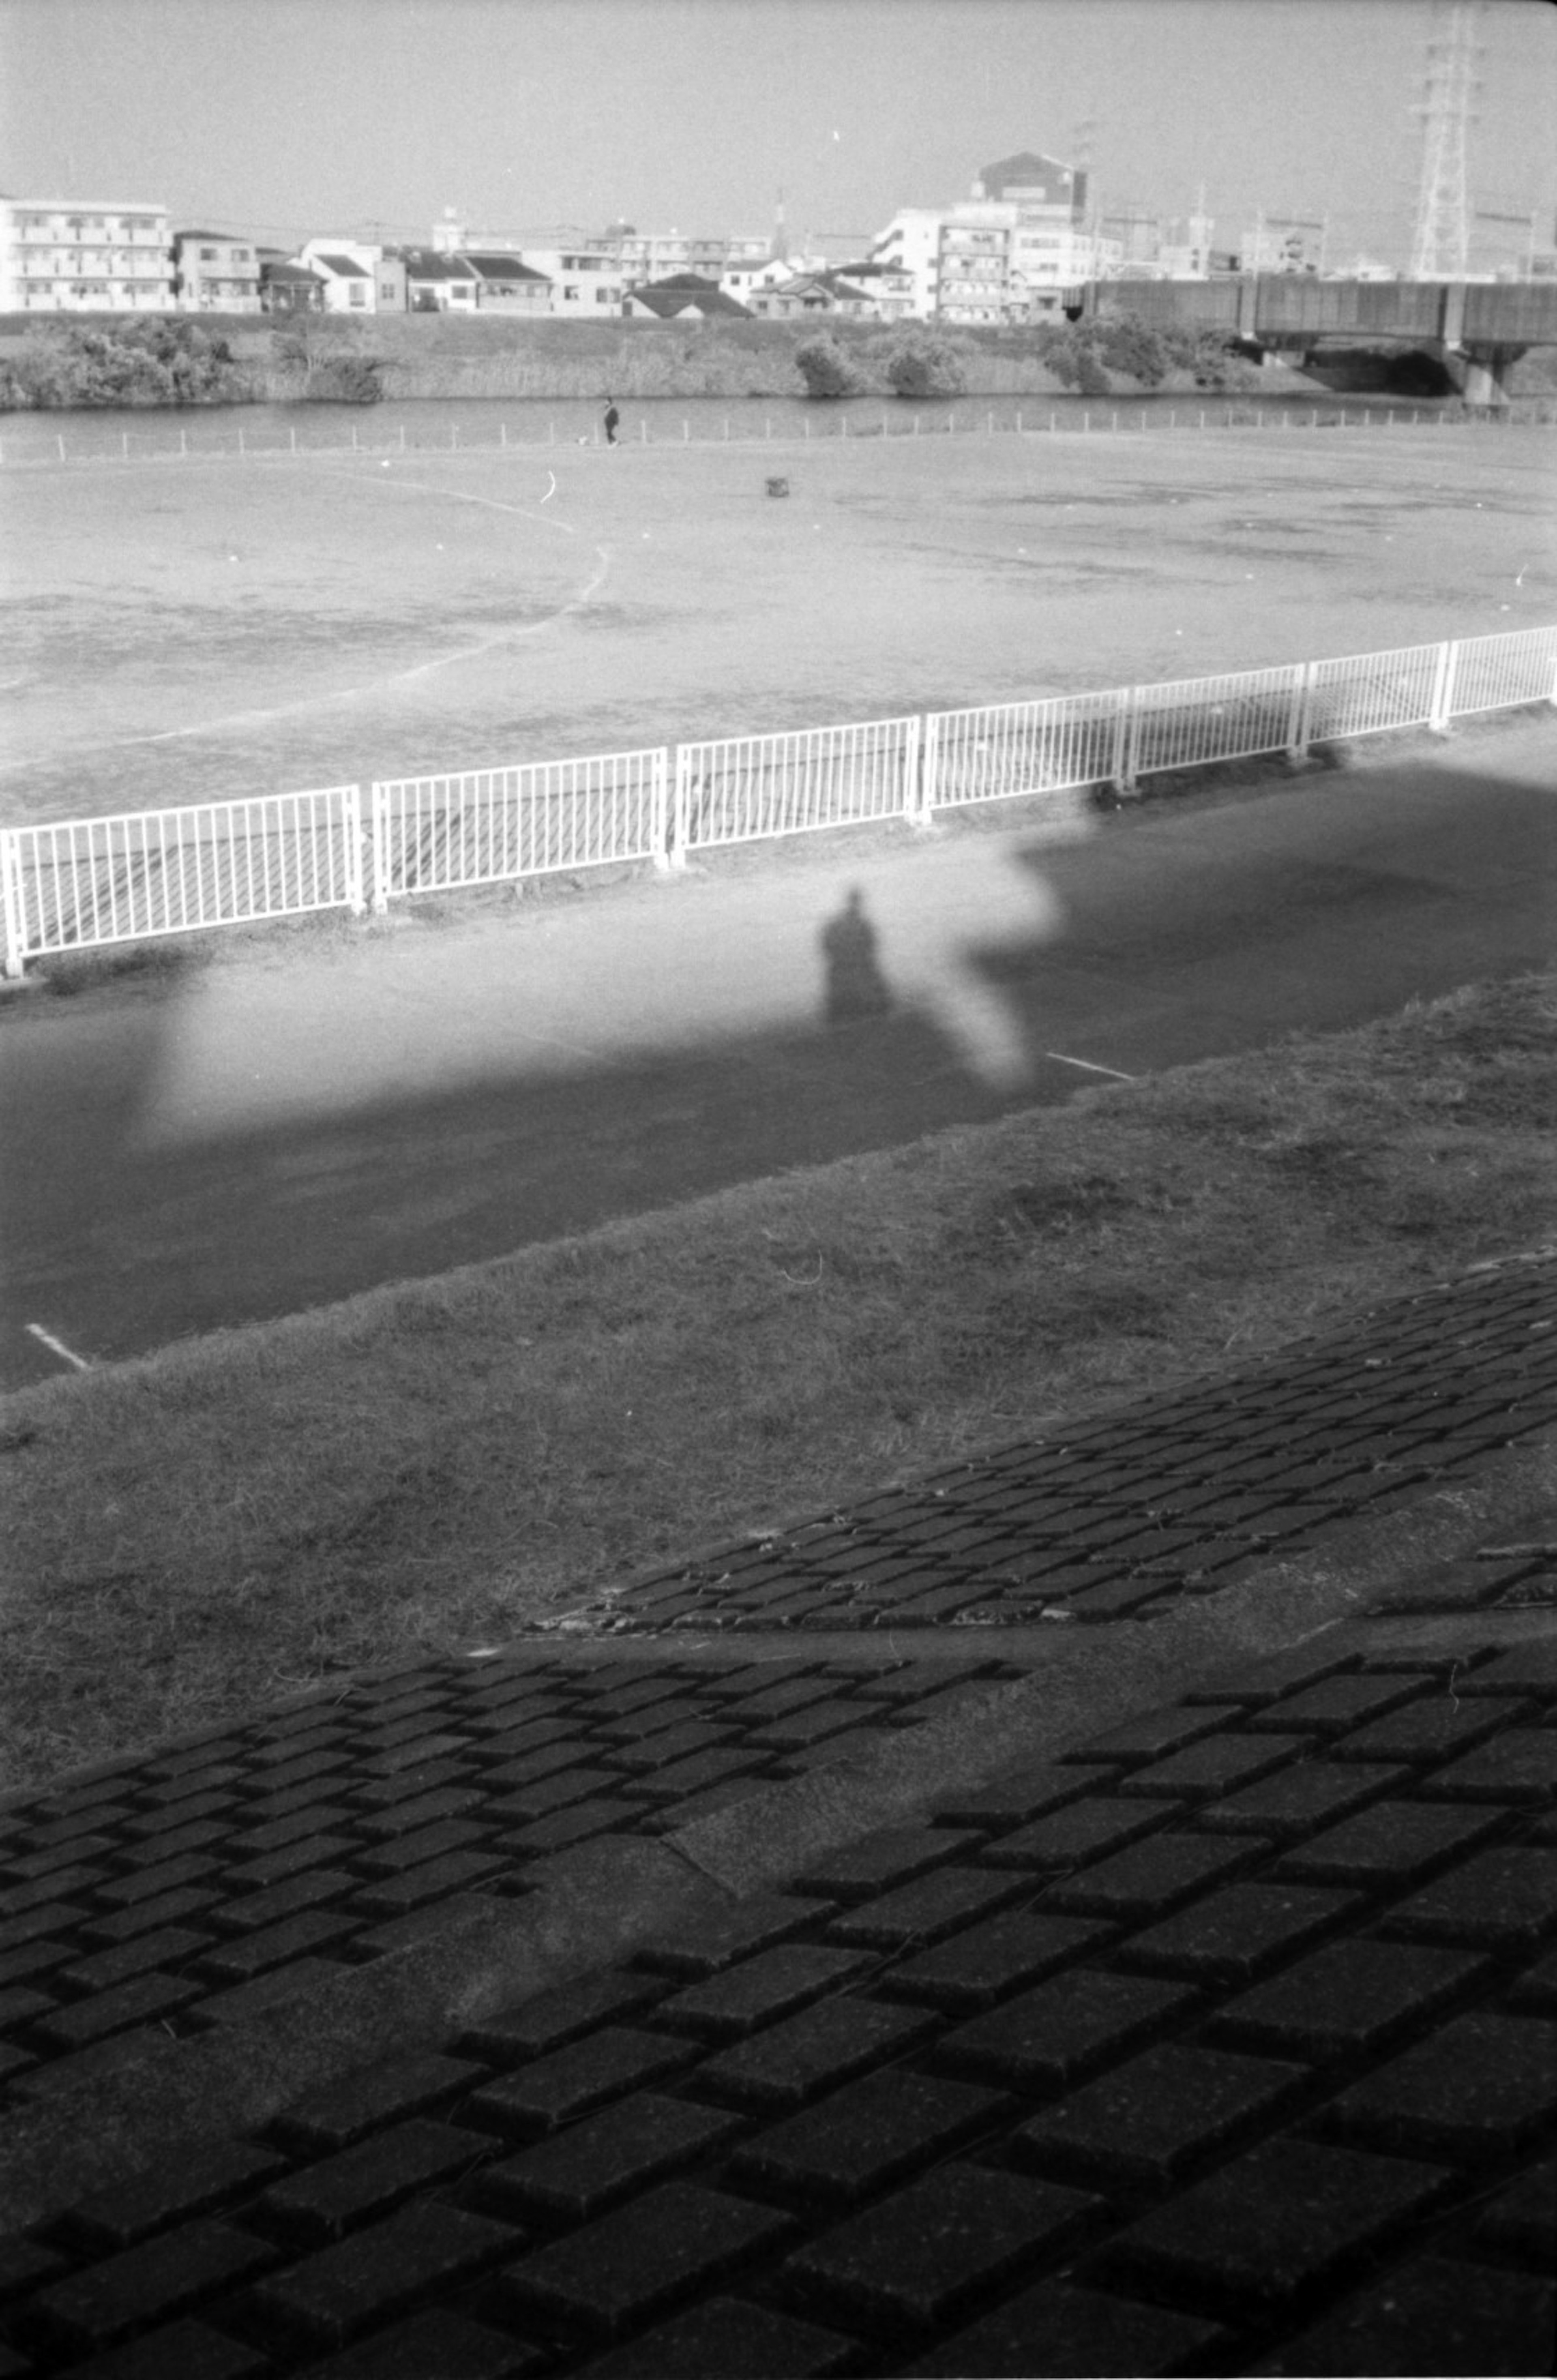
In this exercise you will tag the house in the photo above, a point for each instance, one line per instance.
(288, 288)
(84, 256)
(584, 277)
(439, 284)
(814, 293)
(347, 268)
(215, 274)
(684, 298)
(506, 286)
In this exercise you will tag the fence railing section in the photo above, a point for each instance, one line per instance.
(494, 826)
(120, 879)
(747, 787)
(114, 880)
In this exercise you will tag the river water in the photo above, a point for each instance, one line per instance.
(450, 423)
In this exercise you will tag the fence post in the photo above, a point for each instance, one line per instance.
(659, 811)
(1438, 714)
(682, 822)
(1300, 716)
(378, 886)
(351, 845)
(1451, 676)
(929, 762)
(916, 809)
(10, 904)
(1122, 768)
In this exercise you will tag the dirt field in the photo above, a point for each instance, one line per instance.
(179, 631)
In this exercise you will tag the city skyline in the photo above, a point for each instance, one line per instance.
(376, 115)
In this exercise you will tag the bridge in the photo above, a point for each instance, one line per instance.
(1476, 329)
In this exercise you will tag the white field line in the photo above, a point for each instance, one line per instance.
(1061, 1059)
(58, 1347)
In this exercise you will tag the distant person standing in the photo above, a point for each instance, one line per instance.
(611, 418)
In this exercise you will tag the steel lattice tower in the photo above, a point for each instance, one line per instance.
(1441, 248)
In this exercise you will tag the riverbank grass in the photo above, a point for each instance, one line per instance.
(448, 1463)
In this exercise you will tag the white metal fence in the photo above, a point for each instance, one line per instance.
(747, 787)
(95, 881)
(494, 826)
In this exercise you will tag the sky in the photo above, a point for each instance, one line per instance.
(286, 118)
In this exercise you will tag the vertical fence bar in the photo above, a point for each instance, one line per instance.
(10, 903)
(1120, 770)
(659, 813)
(683, 820)
(1300, 716)
(351, 848)
(1438, 708)
(914, 806)
(929, 764)
(378, 886)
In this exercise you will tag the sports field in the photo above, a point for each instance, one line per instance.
(177, 631)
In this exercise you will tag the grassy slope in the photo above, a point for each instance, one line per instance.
(430, 1465)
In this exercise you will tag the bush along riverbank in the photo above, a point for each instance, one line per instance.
(163, 361)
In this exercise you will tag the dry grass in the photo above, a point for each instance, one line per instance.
(431, 1466)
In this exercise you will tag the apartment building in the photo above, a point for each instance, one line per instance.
(215, 274)
(63, 256)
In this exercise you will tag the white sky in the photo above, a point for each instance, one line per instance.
(288, 116)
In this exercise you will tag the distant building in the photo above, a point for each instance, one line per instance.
(70, 256)
(287, 287)
(584, 277)
(213, 274)
(438, 284)
(1008, 253)
(504, 284)
(347, 268)
(1284, 244)
(684, 296)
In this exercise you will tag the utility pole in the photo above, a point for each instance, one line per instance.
(1441, 248)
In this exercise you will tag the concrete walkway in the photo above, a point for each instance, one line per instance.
(310, 1118)
(822, 1957)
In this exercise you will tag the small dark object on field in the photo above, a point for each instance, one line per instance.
(778, 487)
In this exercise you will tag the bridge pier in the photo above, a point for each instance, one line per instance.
(1479, 374)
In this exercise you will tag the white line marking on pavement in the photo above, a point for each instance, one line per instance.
(1061, 1059)
(58, 1347)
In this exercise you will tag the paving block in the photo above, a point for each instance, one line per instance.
(920, 2256)
(1060, 2328)
(23, 2263)
(1285, 2215)
(1481, 2086)
(987, 1963)
(200, 2180)
(338, 2291)
(1015, 1800)
(894, 1857)
(582, 2170)
(437, 1879)
(1519, 1766)
(150, 2282)
(1217, 1764)
(1521, 2222)
(726, 2336)
(813, 2052)
(1236, 1934)
(388, 2094)
(253, 1911)
(1389, 1844)
(922, 1912)
(1352, 1997)
(1433, 2313)
(239, 1961)
(1433, 1728)
(188, 2350)
(358, 2184)
(627, 2266)
(435, 2346)
(1527, 1669)
(84, 2022)
(1069, 1838)
(551, 2091)
(1301, 1800)
(1154, 1876)
(1504, 1898)
(872, 2133)
(1145, 2122)
(553, 2019)
(1062, 2027)
(1333, 1706)
(758, 1992)
(1157, 1734)
(1260, 1683)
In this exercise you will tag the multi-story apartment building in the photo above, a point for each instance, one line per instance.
(975, 264)
(1007, 253)
(215, 274)
(586, 276)
(67, 255)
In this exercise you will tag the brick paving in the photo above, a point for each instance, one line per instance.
(1224, 2042)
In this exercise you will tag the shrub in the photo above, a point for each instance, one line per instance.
(153, 361)
(919, 364)
(826, 370)
(327, 367)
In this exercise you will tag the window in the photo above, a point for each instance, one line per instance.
(356, 295)
(208, 256)
(570, 292)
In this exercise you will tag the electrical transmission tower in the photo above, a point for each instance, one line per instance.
(1441, 248)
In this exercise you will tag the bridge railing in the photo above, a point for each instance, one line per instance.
(91, 883)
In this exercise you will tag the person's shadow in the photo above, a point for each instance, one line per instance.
(855, 986)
